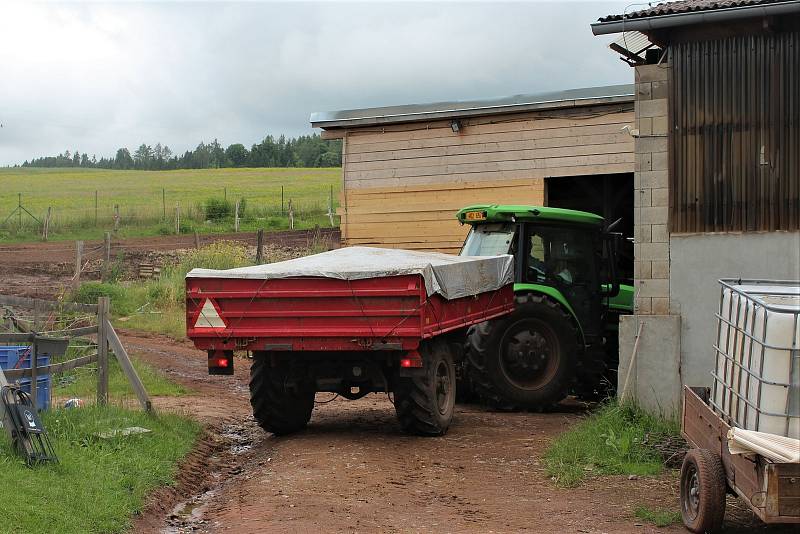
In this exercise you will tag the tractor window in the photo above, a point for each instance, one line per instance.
(562, 256)
(489, 240)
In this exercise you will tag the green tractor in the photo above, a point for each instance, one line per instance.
(562, 337)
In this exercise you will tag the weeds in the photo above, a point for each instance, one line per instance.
(660, 517)
(614, 440)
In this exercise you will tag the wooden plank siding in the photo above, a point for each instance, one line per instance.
(403, 183)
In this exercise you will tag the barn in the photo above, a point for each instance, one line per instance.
(407, 169)
(717, 175)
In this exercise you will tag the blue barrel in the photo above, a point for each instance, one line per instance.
(10, 356)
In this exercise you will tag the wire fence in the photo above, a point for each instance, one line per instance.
(58, 352)
(168, 210)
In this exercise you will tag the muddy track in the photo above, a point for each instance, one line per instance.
(354, 471)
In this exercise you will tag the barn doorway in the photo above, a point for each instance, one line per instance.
(609, 195)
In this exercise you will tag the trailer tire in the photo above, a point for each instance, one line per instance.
(537, 325)
(277, 408)
(703, 488)
(425, 403)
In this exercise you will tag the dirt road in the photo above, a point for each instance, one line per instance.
(354, 471)
(21, 254)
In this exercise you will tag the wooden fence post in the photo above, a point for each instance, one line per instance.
(330, 207)
(34, 372)
(46, 225)
(196, 240)
(127, 367)
(178, 218)
(103, 305)
(107, 246)
(291, 215)
(236, 217)
(78, 260)
(260, 247)
(116, 217)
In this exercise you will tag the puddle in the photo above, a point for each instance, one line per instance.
(187, 516)
(240, 438)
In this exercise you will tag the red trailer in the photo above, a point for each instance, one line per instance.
(352, 335)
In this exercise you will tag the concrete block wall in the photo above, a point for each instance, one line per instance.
(651, 198)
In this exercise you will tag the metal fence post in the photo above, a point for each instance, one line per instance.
(103, 305)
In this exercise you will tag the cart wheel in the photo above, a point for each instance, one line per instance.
(425, 403)
(702, 491)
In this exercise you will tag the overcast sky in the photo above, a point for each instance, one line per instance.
(94, 77)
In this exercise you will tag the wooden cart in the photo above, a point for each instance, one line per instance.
(710, 471)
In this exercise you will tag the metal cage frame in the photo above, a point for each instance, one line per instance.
(742, 326)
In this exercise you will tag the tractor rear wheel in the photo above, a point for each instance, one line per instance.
(525, 359)
(425, 403)
(279, 405)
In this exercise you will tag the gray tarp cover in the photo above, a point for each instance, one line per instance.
(450, 276)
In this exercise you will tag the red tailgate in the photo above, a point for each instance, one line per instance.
(318, 314)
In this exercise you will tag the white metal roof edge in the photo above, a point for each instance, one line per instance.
(364, 117)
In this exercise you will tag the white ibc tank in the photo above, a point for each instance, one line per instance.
(757, 368)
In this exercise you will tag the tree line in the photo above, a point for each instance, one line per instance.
(302, 151)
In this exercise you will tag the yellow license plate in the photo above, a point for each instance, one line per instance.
(475, 215)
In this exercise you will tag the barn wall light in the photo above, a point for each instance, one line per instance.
(455, 125)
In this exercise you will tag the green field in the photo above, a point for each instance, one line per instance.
(147, 200)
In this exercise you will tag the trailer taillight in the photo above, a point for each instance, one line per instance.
(220, 362)
(412, 359)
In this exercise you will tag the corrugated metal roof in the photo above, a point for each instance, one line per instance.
(471, 108)
(634, 42)
(687, 6)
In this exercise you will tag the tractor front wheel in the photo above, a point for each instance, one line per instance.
(525, 359)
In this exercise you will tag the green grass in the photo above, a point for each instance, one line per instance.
(609, 442)
(71, 194)
(82, 382)
(98, 484)
(660, 517)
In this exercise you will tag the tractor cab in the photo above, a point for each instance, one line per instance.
(562, 253)
(562, 337)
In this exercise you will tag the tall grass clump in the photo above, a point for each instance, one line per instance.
(158, 305)
(218, 209)
(614, 440)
